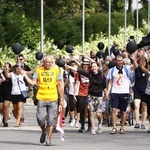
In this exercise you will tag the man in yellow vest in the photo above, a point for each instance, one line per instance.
(50, 84)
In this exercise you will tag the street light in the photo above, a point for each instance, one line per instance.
(109, 26)
(137, 20)
(83, 25)
(42, 28)
(125, 21)
(148, 16)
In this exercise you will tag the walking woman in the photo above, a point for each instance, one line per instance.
(141, 77)
(17, 99)
(95, 99)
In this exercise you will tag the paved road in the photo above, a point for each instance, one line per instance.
(27, 137)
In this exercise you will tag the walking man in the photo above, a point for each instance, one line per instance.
(49, 79)
(119, 86)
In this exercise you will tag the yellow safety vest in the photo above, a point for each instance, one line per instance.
(47, 80)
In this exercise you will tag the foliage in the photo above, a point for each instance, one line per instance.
(20, 22)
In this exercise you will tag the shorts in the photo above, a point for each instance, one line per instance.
(139, 95)
(119, 101)
(17, 98)
(95, 104)
(147, 98)
(5, 97)
(46, 108)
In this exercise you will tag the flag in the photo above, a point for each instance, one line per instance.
(59, 126)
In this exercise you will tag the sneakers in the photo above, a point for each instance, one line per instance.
(142, 126)
(42, 138)
(148, 131)
(48, 142)
(99, 129)
(72, 122)
(5, 125)
(89, 128)
(104, 122)
(137, 125)
(77, 125)
(93, 132)
(82, 129)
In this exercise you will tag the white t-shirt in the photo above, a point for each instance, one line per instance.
(15, 88)
(71, 86)
(120, 82)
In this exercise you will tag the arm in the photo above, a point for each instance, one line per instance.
(61, 91)
(6, 70)
(31, 82)
(145, 70)
(76, 85)
(81, 71)
(2, 77)
(135, 65)
(89, 58)
(109, 88)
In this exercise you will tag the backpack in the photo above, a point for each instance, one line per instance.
(124, 67)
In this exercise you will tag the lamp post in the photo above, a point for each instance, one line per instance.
(137, 20)
(148, 16)
(42, 28)
(125, 21)
(83, 25)
(109, 25)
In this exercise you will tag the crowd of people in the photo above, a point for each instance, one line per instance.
(87, 84)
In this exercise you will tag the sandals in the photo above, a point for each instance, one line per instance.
(17, 125)
(122, 131)
(113, 131)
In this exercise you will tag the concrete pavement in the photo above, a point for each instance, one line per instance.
(27, 137)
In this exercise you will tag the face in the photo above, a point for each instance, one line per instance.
(104, 66)
(119, 61)
(18, 70)
(94, 68)
(85, 67)
(21, 60)
(48, 62)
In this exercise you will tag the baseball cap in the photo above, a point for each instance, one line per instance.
(85, 61)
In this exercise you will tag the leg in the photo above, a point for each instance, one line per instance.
(81, 109)
(6, 110)
(113, 116)
(99, 117)
(52, 114)
(92, 119)
(123, 118)
(144, 112)
(137, 109)
(15, 110)
(19, 113)
(72, 108)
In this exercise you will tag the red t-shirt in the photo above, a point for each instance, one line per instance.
(84, 84)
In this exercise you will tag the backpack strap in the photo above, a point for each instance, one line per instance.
(112, 71)
(126, 70)
(124, 67)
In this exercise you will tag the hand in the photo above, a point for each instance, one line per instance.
(75, 99)
(132, 56)
(23, 72)
(60, 108)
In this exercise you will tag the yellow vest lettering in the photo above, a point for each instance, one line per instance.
(47, 83)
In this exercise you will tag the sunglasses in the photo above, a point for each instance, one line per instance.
(20, 59)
